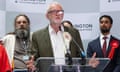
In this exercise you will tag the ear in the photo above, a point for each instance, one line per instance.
(47, 16)
(111, 26)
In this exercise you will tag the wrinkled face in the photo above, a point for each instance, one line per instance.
(22, 27)
(105, 25)
(55, 14)
(21, 23)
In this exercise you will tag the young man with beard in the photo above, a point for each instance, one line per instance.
(106, 45)
(17, 44)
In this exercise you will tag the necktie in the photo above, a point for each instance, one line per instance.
(104, 46)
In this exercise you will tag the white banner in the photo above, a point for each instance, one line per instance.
(38, 6)
(2, 24)
(86, 23)
(109, 5)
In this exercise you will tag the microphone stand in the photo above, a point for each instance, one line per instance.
(69, 58)
(82, 54)
(68, 53)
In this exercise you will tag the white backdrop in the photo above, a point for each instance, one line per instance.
(84, 15)
(2, 23)
(86, 23)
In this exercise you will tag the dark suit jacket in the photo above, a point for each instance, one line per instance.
(95, 46)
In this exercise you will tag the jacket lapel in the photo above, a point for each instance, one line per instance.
(48, 42)
(99, 48)
(109, 47)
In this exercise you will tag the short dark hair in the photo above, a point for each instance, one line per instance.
(106, 16)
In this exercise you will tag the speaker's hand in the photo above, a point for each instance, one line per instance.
(93, 61)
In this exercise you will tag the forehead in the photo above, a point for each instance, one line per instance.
(105, 18)
(21, 18)
(55, 7)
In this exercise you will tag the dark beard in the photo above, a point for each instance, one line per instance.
(105, 31)
(22, 33)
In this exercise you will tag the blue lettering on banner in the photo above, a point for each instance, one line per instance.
(84, 27)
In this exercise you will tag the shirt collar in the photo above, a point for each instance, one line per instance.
(51, 30)
(108, 36)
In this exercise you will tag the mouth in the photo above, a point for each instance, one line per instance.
(21, 28)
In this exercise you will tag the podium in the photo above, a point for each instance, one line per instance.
(46, 64)
(20, 70)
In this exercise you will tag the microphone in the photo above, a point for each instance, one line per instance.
(82, 54)
(82, 51)
(68, 54)
(67, 39)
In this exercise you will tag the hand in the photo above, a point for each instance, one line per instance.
(93, 61)
(30, 64)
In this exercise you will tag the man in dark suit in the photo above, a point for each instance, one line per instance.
(106, 48)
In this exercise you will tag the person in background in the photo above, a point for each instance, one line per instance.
(67, 23)
(18, 44)
(50, 41)
(106, 45)
(4, 61)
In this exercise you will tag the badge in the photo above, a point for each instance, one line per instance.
(26, 57)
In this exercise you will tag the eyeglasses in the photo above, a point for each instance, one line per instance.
(56, 11)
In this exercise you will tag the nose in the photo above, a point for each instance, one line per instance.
(21, 23)
(103, 23)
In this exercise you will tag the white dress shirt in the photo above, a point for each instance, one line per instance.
(58, 46)
(102, 40)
